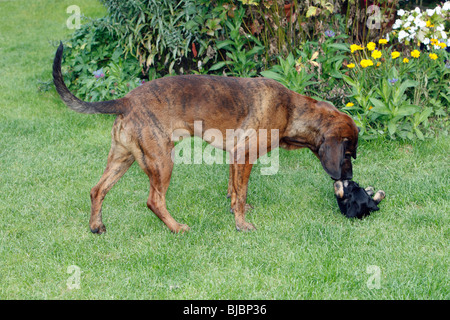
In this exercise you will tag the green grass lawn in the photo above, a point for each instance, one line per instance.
(304, 248)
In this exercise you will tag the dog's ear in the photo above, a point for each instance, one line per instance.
(331, 155)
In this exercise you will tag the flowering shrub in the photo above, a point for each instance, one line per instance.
(430, 27)
(395, 94)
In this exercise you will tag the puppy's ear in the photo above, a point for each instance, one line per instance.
(331, 155)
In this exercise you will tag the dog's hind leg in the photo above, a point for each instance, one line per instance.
(119, 160)
(154, 157)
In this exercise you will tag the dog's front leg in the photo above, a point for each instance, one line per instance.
(230, 182)
(240, 178)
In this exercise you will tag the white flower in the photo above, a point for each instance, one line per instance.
(407, 24)
(444, 35)
(446, 6)
(430, 12)
(417, 10)
(397, 24)
(438, 10)
(420, 23)
(400, 12)
(402, 34)
(410, 18)
(426, 41)
(440, 27)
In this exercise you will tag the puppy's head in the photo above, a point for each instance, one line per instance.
(354, 201)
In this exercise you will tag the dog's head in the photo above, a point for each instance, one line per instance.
(330, 134)
(338, 146)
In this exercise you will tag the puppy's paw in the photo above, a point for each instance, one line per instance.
(339, 189)
(380, 195)
(370, 190)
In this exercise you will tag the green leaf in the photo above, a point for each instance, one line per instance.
(381, 110)
(254, 51)
(401, 90)
(349, 80)
(407, 110)
(447, 97)
(392, 127)
(379, 106)
(425, 114)
(224, 43)
(339, 46)
(311, 11)
(272, 75)
(191, 24)
(410, 136)
(218, 65)
(336, 74)
(419, 134)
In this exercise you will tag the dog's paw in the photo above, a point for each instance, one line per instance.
(97, 228)
(245, 226)
(182, 228)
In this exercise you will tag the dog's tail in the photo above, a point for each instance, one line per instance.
(112, 106)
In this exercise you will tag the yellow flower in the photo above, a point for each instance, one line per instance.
(351, 65)
(382, 41)
(371, 46)
(349, 104)
(395, 54)
(376, 54)
(434, 42)
(415, 54)
(355, 47)
(250, 2)
(442, 45)
(429, 25)
(378, 64)
(406, 60)
(433, 56)
(371, 107)
(366, 63)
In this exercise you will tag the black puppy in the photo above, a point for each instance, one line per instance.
(355, 201)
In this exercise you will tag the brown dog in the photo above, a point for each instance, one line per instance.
(148, 116)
